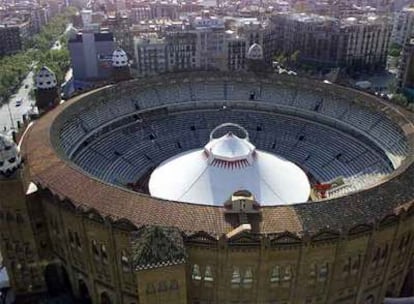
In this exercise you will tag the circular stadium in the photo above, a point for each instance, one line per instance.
(227, 188)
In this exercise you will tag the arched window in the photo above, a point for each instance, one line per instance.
(95, 250)
(356, 265)
(196, 273)
(125, 261)
(9, 216)
(104, 254)
(312, 273)
(235, 278)
(384, 255)
(77, 240)
(369, 300)
(407, 240)
(208, 276)
(248, 278)
(375, 258)
(347, 267)
(162, 286)
(19, 218)
(71, 240)
(275, 275)
(174, 285)
(84, 292)
(105, 299)
(323, 272)
(287, 275)
(150, 288)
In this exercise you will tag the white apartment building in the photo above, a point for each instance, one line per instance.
(150, 55)
(205, 45)
(236, 52)
(366, 40)
(406, 72)
(355, 42)
(403, 25)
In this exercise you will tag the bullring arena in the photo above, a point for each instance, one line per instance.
(91, 166)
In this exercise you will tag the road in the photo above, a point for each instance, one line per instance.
(10, 114)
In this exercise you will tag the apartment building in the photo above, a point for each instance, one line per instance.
(11, 41)
(354, 42)
(91, 55)
(403, 25)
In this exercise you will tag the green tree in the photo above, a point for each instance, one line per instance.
(392, 86)
(15, 67)
(281, 58)
(399, 99)
(294, 58)
(395, 50)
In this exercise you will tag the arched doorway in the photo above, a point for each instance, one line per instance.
(57, 280)
(369, 300)
(84, 296)
(407, 289)
(105, 299)
(390, 290)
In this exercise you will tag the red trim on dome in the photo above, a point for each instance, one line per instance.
(227, 164)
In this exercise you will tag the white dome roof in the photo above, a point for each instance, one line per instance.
(119, 58)
(45, 79)
(226, 165)
(9, 156)
(255, 52)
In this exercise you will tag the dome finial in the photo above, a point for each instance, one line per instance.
(10, 159)
(119, 58)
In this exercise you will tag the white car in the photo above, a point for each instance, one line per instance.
(19, 102)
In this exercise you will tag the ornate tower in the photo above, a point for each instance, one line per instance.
(120, 65)
(47, 90)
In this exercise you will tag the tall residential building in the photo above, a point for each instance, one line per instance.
(119, 24)
(10, 40)
(190, 50)
(406, 73)
(154, 10)
(315, 37)
(181, 51)
(364, 42)
(150, 55)
(39, 17)
(403, 26)
(236, 52)
(91, 55)
(354, 42)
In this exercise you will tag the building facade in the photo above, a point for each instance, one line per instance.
(406, 71)
(11, 40)
(354, 42)
(62, 230)
(403, 25)
(150, 55)
(365, 42)
(91, 55)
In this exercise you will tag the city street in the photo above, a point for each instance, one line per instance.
(11, 113)
(21, 102)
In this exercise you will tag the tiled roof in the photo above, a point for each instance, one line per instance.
(155, 246)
